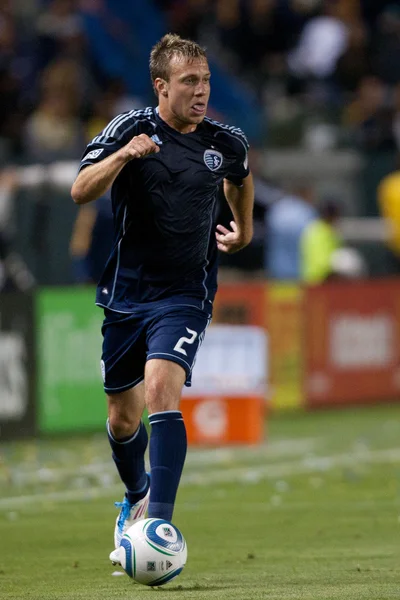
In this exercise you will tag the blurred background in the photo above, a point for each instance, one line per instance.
(307, 317)
(315, 85)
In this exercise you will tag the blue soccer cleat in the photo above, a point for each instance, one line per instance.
(128, 515)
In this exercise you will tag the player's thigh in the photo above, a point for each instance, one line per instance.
(124, 352)
(164, 381)
(173, 340)
(125, 411)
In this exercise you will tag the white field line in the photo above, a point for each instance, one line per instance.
(281, 503)
(225, 475)
(28, 474)
(314, 464)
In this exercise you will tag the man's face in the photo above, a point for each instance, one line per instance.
(188, 90)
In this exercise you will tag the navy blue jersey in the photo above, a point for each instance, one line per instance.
(164, 208)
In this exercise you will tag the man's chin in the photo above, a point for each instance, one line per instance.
(196, 119)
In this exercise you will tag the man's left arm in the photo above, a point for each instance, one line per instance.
(241, 202)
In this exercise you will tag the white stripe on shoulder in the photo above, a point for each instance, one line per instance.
(115, 125)
(246, 145)
(234, 131)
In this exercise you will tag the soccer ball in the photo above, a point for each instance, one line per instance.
(153, 552)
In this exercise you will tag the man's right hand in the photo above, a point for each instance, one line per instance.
(139, 146)
(93, 181)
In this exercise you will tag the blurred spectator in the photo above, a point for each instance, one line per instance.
(121, 98)
(16, 70)
(319, 241)
(292, 52)
(186, 17)
(323, 41)
(369, 118)
(111, 102)
(354, 64)
(285, 222)
(54, 131)
(11, 120)
(389, 205)
(227, 25)
(347, 263)
(103, 112)
(59, 27)
(327, 73)
(251, 257)
(385, 47)
(91, 240)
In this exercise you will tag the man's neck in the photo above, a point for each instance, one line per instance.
(174, 122)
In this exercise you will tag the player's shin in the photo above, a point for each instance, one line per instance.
(168, 445)
(128, 454)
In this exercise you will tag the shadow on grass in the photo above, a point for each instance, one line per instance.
(195, 587)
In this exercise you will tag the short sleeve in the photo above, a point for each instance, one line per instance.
(239, 170)
(113, 137)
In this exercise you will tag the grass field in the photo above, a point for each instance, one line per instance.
(314, 514)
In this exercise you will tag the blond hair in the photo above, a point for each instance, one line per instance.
(168, 47)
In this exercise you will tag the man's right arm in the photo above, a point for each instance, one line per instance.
(94, 180)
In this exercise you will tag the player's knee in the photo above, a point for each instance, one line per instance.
(161, 396)
(122, 424)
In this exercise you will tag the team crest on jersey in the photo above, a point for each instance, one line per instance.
(213, 159)
(94, 153)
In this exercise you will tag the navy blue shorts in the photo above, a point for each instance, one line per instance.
(172, 332)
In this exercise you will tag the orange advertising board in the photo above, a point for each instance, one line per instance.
(240, 304)
(352, 342)
(219, 420)
(226, 401)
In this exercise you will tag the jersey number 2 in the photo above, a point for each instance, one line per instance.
(185, 340)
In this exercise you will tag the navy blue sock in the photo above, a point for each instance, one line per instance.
(168, 446)
(128, 455)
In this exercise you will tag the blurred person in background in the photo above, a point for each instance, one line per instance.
(122, 99)
(319, 241)
(385, 44)
(59, 27)
(11, 121)
(103, 111)
(323, 41)
(16, 77)
(61, 40)
(91, 240)
(251, 258)
(164, 166)
(347, 264)
(54, 130)
(369, 118)
(388, 197)
(111, 101)
(187, 17)
(286, 220)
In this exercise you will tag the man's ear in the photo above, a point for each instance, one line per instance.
(161, 86)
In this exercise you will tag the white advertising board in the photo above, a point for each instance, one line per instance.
(233, 359)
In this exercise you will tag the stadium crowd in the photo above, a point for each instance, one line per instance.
(326, 74)
(310, 61)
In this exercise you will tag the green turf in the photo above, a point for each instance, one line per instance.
(313, 515)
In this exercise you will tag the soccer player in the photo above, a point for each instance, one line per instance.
(165, 166)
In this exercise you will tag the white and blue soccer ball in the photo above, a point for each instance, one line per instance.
(153, 552)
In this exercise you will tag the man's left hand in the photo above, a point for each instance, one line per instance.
(230, 241)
